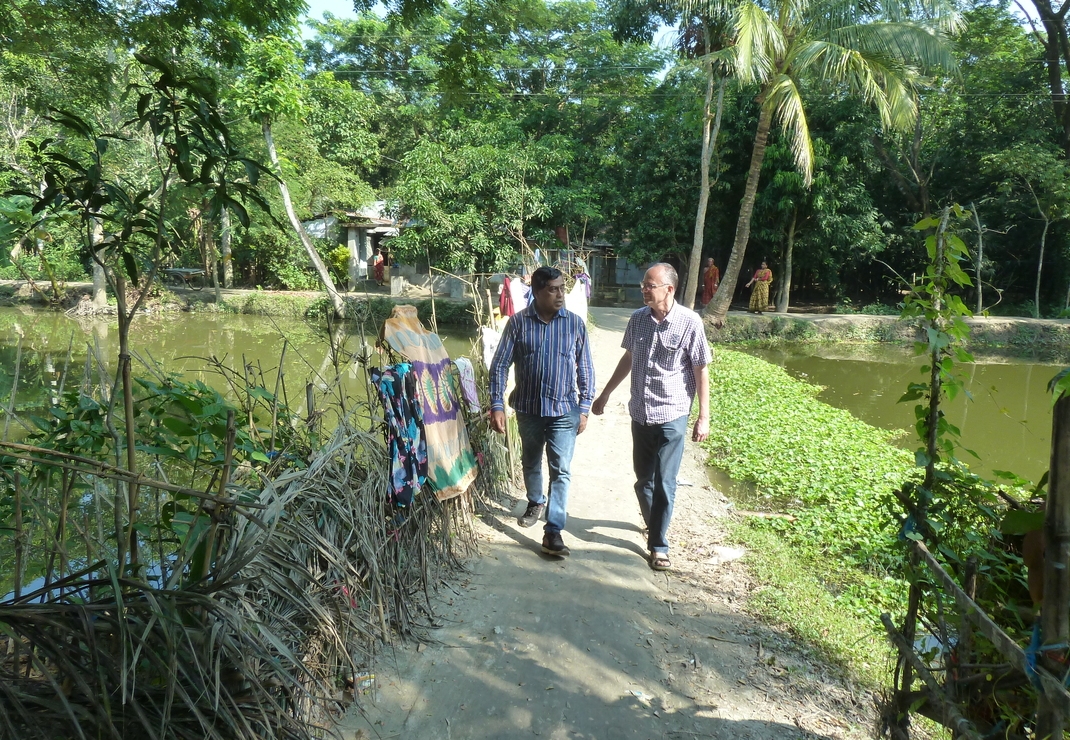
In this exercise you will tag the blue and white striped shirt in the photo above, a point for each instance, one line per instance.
(553, 363)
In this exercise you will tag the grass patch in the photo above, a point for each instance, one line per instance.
(832, 571)
(793, 595)
(264, 303)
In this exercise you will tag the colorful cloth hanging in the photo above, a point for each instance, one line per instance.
(576, 301)
(505, 299)
(451, 466)
(404, 430)
(467, 371)
(583, 277)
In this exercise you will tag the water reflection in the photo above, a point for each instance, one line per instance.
(176, 343)
(1008, 422)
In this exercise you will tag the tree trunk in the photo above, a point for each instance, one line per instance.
(1040, 268)
(100, 280)
(980, 258)
(784, 298)
(709, 142)
(1056, 53)
(211, 253)
(722, 300)
(224, 248)
(306, 242)
(128, 545)
(1040, 258)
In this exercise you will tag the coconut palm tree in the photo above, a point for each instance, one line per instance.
(873, 49)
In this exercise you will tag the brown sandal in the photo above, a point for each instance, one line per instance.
(660, 561)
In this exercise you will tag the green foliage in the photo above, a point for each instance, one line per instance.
(475, 194)
(337, 261)
(837, 224)
(827, 468)
(829, 573)
(269, 89)
(941, 314)
(879, 309)
(83, 186)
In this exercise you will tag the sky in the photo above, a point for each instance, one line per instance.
(316, 9)
(339, 8)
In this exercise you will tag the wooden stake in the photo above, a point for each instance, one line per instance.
(1055, 610)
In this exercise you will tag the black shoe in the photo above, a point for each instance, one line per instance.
(531, 515)
(552, 544)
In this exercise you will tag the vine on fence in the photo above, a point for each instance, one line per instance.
(969, 682)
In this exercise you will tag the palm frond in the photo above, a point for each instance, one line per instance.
(708, 8)
(939, 16)
(908, 43)
(880, 80)
(759, 42)
(943, 16)
(723, 61)
(786, 101)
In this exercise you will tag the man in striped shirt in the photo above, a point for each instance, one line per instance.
(666, 352)
(548, 346)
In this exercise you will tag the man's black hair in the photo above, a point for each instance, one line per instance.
(541, 277)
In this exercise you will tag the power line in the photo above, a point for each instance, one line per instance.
(497, 70)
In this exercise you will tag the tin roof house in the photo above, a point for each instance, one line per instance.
(361, 231)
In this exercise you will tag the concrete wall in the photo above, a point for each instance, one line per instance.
(439, 284)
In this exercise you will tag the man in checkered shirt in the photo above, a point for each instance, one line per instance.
(666, 352)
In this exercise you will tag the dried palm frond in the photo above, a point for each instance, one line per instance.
(305, 580)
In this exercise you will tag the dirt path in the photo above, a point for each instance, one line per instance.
(599, 646)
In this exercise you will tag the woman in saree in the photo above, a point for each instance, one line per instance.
(759, 297)
(379, 264)
(711, 279)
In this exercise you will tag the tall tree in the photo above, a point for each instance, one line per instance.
(1045, 176)
(836, 43)
(268, 90)
(708, 29)
(1055, 39)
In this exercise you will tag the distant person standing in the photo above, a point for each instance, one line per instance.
(379, 264)
(711, 280)
(666, 352)
(548, 346)
(759, 297)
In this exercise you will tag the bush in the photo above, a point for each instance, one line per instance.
(337, 261)
(880, 309)
(62, 260)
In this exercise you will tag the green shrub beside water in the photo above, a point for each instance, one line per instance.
(832, 472)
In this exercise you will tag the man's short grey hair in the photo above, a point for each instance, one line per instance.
(670, 273)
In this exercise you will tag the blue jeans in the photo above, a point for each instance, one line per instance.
(558, 435)
(657, 451)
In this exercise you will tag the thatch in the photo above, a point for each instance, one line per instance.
(254, 595)
(309, 580)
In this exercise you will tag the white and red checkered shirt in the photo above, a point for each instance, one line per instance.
(664, 356)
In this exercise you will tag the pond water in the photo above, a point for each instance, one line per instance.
(178, 342)
(1008, 422)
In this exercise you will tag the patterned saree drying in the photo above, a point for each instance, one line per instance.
(404, 431)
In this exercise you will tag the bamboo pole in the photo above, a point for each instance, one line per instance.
(1051, 686)
(952, 718)
(1055, 611)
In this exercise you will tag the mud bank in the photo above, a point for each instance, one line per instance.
(1046, 336)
